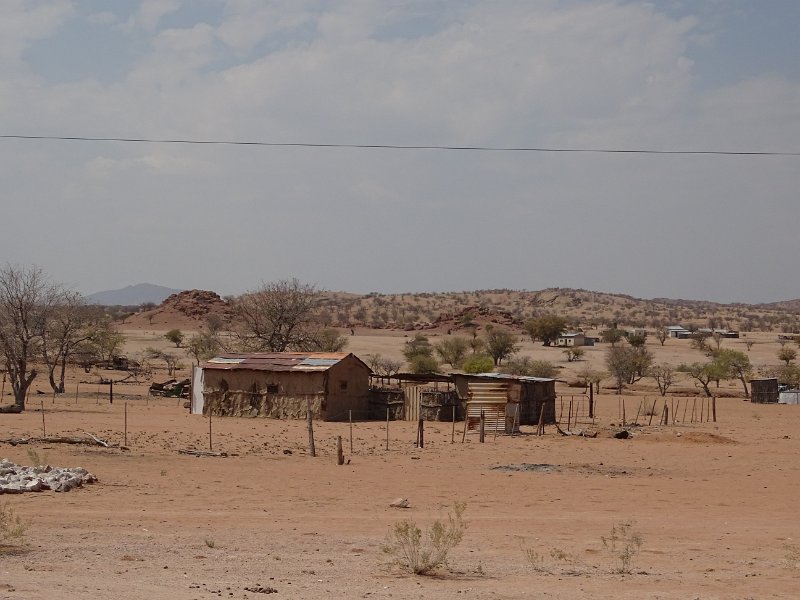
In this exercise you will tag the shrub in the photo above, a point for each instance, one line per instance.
(423, 555)
(12, 527)
(478, 363)
(623, 544)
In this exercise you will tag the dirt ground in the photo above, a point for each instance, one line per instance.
(714, 502)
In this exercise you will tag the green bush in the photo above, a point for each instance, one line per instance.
(478, 363)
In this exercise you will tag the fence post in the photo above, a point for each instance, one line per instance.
(714, 407)
(339, 452)
(453, 433)
(482, 431)
(591, 401)
(44, 428)
(421, 436)
(310, 425)
(351, 430)
(125, 434)
(387, 428)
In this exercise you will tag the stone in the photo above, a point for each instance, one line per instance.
(400, 503)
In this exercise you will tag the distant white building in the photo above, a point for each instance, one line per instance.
(571, 340)
(677, 331)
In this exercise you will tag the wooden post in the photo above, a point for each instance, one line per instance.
(665, 417)
(453, 432)
(482, 430)
(702, 408)
(339, 452)
(312, 451)
(210, 444)
(515, 420)
(540, 428)
(77, 389)
(111, 392)
(714, 407)
(675, 410)
(54, 396)
(591, 401)
(694, 404)
(623, 412)
(421, 435)
(3, 391)
(619, 407)
(652, 412)
(561, 410)
(44, 428)
(350, 415)
(387, 428)
(685, 406)
(98, 394)
(638, 410)
(569, 416)
(125, 435)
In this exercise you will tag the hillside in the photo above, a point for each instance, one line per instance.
(451, 311)
(132, 295)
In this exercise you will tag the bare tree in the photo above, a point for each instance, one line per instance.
(27, 300)
(663, 375)
(66, 330)
(279, 316)
(661, 335)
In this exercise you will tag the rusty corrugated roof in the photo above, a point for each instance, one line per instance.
(276, 361)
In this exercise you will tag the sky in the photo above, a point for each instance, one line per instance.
(679, 75)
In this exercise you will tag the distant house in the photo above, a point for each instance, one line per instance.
(282, 385)
(570, 340)
(678, 331)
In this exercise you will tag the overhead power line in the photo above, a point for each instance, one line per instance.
(392, 146)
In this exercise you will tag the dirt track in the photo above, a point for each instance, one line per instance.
(716, 507)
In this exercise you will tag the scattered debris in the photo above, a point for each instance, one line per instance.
(579, 433)
(622, 435)
(527, 467)
(91, 441)
(191, 452)
(16, 479)
(257, 589)
(400, 503)
(171, 389)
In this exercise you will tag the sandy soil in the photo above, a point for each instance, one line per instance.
(715, 503)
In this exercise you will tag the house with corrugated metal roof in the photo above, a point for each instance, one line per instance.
(282, 385)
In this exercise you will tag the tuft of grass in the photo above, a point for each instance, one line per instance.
(422, 555)
(12, 527)
(623, 545)
(163, 472)
(37, 460)
(210, 542)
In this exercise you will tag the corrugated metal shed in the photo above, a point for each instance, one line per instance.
(276, 361)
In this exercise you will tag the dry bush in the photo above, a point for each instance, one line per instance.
(623, 544)
(12, 527)
(422, 555)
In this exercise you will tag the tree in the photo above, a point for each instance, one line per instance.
(423, 364)
(637, 340)
(787, 354)
(663, 375)
(68, 328)
(478, 363)
(279, 316)
(700, 341)
(27, 300)
(500, 344)
(170, 360)
(736, 364)
(612, 336)
(591, 377)
(574, 354)
(175, 336)
(705, 373)
(452, 350)
(419, 355)
(203, 346)
(661, 335)
(628, 364)
(546, 328)
(524, 365)
(330, 340)
(105, 342)
(787, 374)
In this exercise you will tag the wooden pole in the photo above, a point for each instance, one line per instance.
(623, 412)
(453, 432)
(44, 428)
(675, 411)
(77, 389)
(54, 396)
(98, 394)
(339, 452)
(210, 444)
(3, 391)
(482, 431)
(685, 406)
(652, 412)
(561, 410)
(310, 425)
(111, 392)
(516, 419)
(665, 415)
(591, 401)
(387, 428)
(569, 415)
(702, 408)
(421, 436)
(714, 407)
(694, 404)
(638, 410)
(125, 435)
(350, 415)
(540, 428)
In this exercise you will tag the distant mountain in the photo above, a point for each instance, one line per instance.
(132, 295)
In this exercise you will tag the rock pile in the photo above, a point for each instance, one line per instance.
(197, 304)
(16, 479)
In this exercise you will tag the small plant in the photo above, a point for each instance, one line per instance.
(423, 555)
(537, 560)
(12, 527)
(163, 472)
(792, 557)
(37, 460)
(210, 542)
(623, 544)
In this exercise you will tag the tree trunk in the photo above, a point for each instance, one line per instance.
(746, 391)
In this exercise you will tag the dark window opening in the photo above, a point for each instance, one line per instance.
(342, 385)
(272, 388)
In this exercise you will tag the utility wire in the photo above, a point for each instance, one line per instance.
(391, 146)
